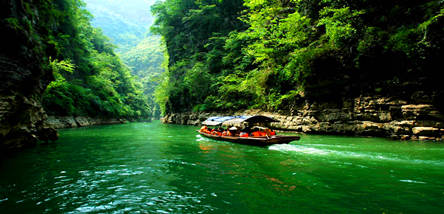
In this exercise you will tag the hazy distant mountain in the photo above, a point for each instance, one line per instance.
(125, 22)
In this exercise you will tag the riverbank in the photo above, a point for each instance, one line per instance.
(60, 122)
(361, 116)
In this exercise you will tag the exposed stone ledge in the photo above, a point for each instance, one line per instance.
(365, 116)
(59, 122)
(426, 131)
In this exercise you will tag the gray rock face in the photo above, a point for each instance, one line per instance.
(22, 118)
(365, 116)
(74, 122)
(426, 131)
(23, 78)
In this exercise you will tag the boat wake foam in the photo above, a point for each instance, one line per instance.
(352, 154)
(297, 148)
(413, 181)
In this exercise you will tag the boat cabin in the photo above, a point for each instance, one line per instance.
(242, 126)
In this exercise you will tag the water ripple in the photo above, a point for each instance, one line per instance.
(111, 169)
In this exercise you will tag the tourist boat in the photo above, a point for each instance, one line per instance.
(246, 121)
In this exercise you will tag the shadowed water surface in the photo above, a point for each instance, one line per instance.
(157, 168)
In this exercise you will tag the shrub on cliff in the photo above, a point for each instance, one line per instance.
(324, 49)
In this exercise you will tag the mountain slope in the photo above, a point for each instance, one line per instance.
(127, 25)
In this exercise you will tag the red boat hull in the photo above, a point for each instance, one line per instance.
(255, 141)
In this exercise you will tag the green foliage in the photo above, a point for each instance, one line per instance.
(340, 25)
(194, 33)
(285, 50)
(146, 57)
(127, 25)
(145, 61)
(90, 79)
(14, 23)
(61, 68)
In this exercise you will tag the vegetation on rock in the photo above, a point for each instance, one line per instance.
(234, 54)
(24, 71)
(90, 80)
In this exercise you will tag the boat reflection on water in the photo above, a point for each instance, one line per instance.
(205, 148)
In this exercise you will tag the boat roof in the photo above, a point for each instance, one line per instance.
(215, 121)
(260, 119)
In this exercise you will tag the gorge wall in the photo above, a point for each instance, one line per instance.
(363, 116)
(22, 118)
(23, 77)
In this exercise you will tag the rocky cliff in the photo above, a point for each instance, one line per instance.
(364, 116)
(22, 118)
(60, 122)
(23, 76)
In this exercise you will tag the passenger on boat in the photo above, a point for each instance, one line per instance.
(216, 132)
(232, 131)
(229, 133)
(237, 133)
(269, 132)
(205, 129)
(256, 133)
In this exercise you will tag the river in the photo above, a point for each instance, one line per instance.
(159, 168)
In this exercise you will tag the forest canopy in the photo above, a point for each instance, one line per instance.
(90, 79)
(234, 54)
(127, 25)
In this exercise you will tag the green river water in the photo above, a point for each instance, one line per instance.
(158, 168)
